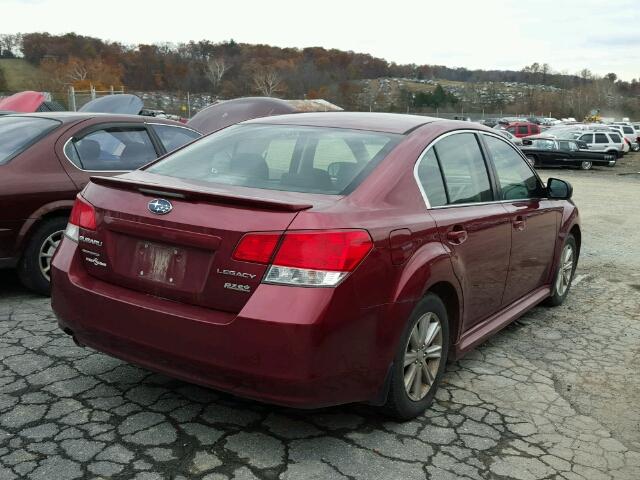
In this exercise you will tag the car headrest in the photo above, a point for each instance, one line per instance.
(88, 149)
(250, 165)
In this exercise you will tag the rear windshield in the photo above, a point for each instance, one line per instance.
(279, 157)
(18, 133)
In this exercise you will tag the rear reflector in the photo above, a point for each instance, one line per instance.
(306, 257)
(257, 247)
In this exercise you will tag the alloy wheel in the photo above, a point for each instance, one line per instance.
(422, 356)
(47, 249)
(566, 270)
(586, 165)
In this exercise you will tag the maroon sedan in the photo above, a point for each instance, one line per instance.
(47, 158)
(316, 259)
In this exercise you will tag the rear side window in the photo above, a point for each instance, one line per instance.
(174, 137)
(601, 138)
(277, 157)
(112, 149)
(516, 179)
(464, 169)
(627, 129)
(431, 180)
(615, 138)
(18, 133)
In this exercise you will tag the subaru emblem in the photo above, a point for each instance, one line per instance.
(160, 206)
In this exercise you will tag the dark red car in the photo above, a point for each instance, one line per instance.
(523, 129)
(316, 259)
(47, 158)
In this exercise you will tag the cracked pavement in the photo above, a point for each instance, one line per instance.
(556, 395)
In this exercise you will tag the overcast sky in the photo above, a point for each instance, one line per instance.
(603, 36)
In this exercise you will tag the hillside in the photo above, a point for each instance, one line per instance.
(20, 74)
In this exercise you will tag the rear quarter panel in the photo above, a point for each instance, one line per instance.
(31, 185)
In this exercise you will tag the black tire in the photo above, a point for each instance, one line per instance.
(29, 271)
(558, 297)
(399, 405)
(586, 165)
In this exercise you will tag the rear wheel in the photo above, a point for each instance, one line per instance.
(586, 165)
(34, 268)
(420, 360)
(564, 273)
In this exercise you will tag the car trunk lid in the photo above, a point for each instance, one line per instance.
(185, 254)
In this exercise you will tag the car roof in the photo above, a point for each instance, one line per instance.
(370, 121)
(72, 117)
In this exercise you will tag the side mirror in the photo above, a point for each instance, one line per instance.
(559, 189)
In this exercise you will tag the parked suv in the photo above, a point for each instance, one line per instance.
(47, 158)
(608, 142)
(523, 129)
(316, 259)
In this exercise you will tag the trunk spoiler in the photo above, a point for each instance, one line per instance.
(200, 194)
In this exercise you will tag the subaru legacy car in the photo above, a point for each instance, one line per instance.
(316, 259)
(47, 158)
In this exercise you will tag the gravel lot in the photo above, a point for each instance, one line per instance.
(555, 395)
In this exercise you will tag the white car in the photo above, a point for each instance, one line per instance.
(601, 141)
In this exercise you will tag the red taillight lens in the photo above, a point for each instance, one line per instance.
(256, 247)
(83, 214)
(335, 250)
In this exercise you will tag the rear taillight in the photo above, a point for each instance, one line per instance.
(83, 215)
(257, 247)
(306, 258)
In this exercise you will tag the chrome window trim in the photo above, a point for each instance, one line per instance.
(175, 126)
(64, 152)
(456, 205)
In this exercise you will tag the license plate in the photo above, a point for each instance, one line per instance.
(160, 263)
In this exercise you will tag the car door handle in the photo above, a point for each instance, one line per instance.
(457, 236)
(519, 223)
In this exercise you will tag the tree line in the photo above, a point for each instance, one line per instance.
(229, 69)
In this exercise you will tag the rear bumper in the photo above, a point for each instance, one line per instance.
(300, 347)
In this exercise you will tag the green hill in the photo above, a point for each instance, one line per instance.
(19, 74)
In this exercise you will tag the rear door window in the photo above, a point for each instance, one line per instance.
(18, 133)
(173, 137)
(431, 180)
(464, 169)
(523, 130)
(112, 149)
(601, 138)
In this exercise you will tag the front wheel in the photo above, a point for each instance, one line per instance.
(564, 273)
(34, 268)
(586, 165)
(420, 360)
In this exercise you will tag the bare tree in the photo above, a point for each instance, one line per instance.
(214, 69)
(77, 71)
(10, 43)
(267, 82)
